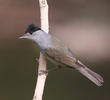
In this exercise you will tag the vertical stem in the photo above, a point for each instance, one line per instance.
(42, 61)
(44, 15)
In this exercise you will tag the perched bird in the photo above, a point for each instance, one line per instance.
(59, 53)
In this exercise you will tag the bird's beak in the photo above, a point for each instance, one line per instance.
(25, 36)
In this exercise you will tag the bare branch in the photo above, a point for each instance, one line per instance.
(42, 61)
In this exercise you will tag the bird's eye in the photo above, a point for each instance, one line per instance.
(31, 33)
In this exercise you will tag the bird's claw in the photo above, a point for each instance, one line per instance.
(42, 72)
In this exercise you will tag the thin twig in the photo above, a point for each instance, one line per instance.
(42, 61)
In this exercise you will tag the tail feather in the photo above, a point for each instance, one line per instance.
(94, 77)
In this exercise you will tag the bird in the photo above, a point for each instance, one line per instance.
(56, 51)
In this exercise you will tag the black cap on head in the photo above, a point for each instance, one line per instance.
(32, 28)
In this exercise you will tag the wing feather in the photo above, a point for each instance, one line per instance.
(61, 56)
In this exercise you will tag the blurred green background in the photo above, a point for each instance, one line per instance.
(84, 25)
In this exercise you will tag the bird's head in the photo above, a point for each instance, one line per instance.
(30, 32)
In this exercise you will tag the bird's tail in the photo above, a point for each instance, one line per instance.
(94, 77)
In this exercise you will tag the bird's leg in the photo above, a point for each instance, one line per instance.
(49, 70)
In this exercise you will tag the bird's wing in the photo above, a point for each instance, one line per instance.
(62, 55)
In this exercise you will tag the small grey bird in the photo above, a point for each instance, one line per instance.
(58, 52)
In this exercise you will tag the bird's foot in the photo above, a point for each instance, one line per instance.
(42, 72)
